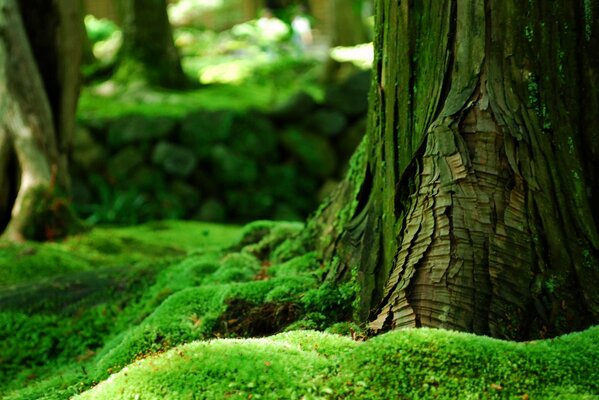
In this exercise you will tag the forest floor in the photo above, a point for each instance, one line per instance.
(183, 310)
(192, 310)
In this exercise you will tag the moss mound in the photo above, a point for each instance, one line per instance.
(408, 364)
(128, 293)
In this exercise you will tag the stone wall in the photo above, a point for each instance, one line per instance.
(219, 165)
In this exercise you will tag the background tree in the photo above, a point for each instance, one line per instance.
(347, 28)
(148, 49)
(40, 52)
(470, 205)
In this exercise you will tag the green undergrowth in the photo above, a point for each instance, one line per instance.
(182, 310)
(161, 102)
(106, 247)
(411, 364)
(126, 293)
(109, 100)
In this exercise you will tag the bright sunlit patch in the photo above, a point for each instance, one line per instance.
(106, 50)
(233, 72)
(361, 55)
(185, 12)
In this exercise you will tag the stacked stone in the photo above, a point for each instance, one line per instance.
(220, 165)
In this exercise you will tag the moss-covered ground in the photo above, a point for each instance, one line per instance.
(184, 310)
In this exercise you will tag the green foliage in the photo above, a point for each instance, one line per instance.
(99, 29)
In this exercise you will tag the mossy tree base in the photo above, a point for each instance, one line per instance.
(37, 119)
(149, 53)
(475, 205)
(134, 298)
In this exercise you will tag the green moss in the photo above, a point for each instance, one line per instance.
(63, 302)
(124, 100)
(182, 317)
(588, 19)
(220, 369)
(183, 236)
(304, 264)
(157, 287)
(50, 340)
(529, 33)
(193, 313)
(23, 262)
(236, 267)
(430, 363)
(329, 303)
(104, 247)
(421, 363)
(346, 329)
(60, 323)
(355, 177)
(277, 241)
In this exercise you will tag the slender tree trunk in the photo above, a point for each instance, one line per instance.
(347, 28)
(148, 48)
(471, 203)
(37, 107)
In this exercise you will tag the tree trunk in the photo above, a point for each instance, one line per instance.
(148, 49)
(470, 204)
(347, 28)
(37, 107)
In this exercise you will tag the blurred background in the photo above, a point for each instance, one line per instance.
(251, 111)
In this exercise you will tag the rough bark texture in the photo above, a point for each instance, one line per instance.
(37, 106)
(148, 49)
(473, 207)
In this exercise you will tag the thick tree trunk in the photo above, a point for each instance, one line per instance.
(37, 107)
(148, 48)
(470, 206)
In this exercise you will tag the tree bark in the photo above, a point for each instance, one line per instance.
(37, 107)
(469, 206)
(148, 48)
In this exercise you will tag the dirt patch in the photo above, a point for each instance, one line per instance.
(245, 319)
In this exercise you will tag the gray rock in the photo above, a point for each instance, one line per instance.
(314, 152)
(188, 195)
(231, 168)
(202, 130)
(139, 128)
(351, 96)
(125, 162)
(254, 136)
(147, 178)
(294, 108)
(88, 155)
(174, 159)
(327, 122)
(212, 211)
